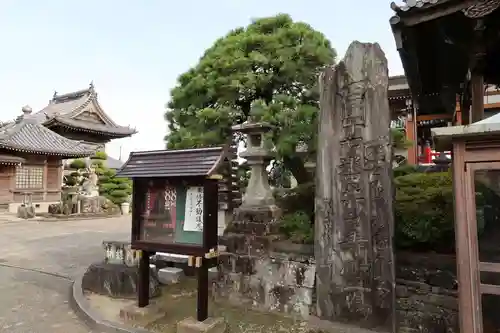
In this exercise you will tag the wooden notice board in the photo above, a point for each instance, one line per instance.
(173, 214)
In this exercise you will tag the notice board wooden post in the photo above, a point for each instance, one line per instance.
(175, 210)
(143, 285)
(210, 202)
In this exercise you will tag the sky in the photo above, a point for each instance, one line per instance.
(134, 51)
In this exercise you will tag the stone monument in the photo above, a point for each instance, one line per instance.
(354, 216)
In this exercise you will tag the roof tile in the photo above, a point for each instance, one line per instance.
(62, 109)
(10, 159)
(27, 135)
(410, 4)
(173, 163)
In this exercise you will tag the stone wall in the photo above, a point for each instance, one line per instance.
(279, 277)
(272, 275)
(426, 293)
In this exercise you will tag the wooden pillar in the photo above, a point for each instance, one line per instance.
(45, 178)
(458, 112)
(477, 89)
(143, 281)
(411, 134)
(354, 212)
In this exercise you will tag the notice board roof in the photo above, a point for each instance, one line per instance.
(173, 163)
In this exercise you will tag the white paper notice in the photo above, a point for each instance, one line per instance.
(193, 220)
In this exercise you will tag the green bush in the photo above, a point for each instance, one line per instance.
(424, 211)
(297, 227)
(123, 185)
(97, 163)
(100, 155)
(118, 193)
(299, 198)
(106, 187)
(78, 164)
(404, 170)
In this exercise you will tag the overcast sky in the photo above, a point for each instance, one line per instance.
(134, 50)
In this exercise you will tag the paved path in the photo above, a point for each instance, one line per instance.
(38, 261)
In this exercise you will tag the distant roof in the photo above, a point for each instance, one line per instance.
(10, 159)
(29, 136)
(485, 128)
(113, 163)
(64, 110)
(173, 163)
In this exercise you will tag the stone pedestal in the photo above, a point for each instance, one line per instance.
(210, 325)
(170, 275)
(134, 313)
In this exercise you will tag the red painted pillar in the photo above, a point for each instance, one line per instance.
(427, 153)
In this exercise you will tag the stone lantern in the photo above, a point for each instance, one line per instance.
(258, 192)
(302, 151)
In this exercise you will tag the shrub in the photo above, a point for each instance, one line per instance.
(97, 163)
(100, 155)
(78, 164)
(298, 227)
(423, 211)
(106, 187)
(404, 170)
(123, 185)
(299, 198)
(118, 193)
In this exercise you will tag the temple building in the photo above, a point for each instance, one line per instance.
(34, 147)
(449, 50)
(31, 158)
(79, 116)
(417, 121)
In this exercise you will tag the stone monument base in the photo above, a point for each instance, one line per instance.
(117, 280)
(210, 325)
(260, 220)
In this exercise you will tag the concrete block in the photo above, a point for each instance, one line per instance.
(169, 275)
(210, 325)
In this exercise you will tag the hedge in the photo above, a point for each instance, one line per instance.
(423, 210)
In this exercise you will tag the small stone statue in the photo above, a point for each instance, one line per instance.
(89, 186)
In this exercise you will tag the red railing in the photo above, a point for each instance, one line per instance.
(429, 155)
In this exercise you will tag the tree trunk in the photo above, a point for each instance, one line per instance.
(296, 167)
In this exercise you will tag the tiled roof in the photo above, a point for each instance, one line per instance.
(173, 163)
(10, 159)
(471, 8)
(63, 108)
(410, 4)
(28, 135)
(90, 127)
